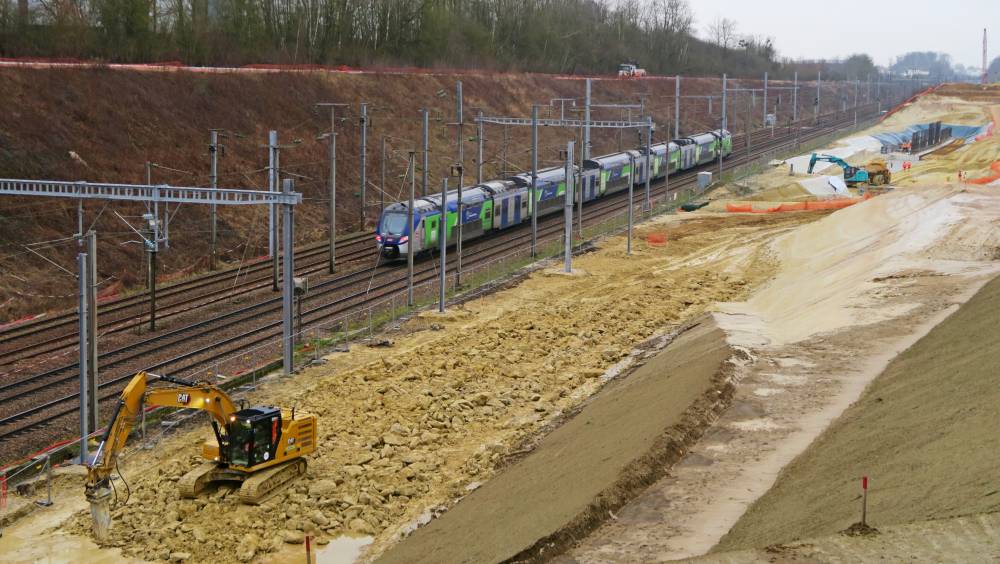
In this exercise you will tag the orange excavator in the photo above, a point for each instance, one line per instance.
(261, 448)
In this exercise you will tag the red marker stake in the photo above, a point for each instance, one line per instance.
(864, 500)
(308, 550)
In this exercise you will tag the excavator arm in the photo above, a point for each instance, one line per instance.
(136, 394)
(830, 159)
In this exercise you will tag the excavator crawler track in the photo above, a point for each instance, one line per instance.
(195, 481)
(262, 484)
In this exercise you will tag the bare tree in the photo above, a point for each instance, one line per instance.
(722, 32)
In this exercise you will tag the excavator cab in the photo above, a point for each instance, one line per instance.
(254, 435)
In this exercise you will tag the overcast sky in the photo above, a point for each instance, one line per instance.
(881, 28)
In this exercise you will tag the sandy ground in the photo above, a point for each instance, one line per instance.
(854, 290)
(924, 433)
(405, 429)
(961, 540)
(776, 185)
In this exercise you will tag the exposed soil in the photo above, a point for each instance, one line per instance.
(975, 538)
(854, 290)
(924, 432)
(404, 429)
(620, 441)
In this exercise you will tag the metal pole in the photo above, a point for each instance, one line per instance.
(579, 193)
(819, 82)
(631, 185)
(649, 169)
(48, 482)
(273, 211)
(677, 106)
(725, 122)
(288, 186)
(479, 155)
(795, 97)
(443, 243)
(364, 160)
(568, 211)
(461, 181)
(585, 150)
(213, 149)
(81, 262)
(856, 85)
(92, 327)
(381, 185)
(332, 212)
(764, 123)
(152, 289)
(534, 181)
(426, 152)
(878, 92)
(79, 213)
(412, 240)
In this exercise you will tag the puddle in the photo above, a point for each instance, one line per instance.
(343, 550)
(22, 543)
(755, 425)
(787, 379)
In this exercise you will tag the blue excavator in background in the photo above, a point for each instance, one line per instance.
(875, 173)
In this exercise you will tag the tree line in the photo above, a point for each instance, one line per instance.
(561, 36)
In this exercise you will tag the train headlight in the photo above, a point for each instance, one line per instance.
(403, 239)
(378, 238)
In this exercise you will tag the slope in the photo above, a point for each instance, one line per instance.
(924, 431)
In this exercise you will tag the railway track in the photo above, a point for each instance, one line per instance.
(30, 340)
(222, 336)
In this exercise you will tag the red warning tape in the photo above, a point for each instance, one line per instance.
(3, 492)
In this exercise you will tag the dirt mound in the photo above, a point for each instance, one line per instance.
(620, 441)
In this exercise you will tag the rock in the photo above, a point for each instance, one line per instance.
(353, 471)
(246, 553)
(293, 537)
(364, 459)
(179, 556)
(322, 488)
(361, 526)
(394, 439)
(319, 518)
(198, 533)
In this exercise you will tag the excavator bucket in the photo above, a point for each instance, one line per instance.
(100, 512)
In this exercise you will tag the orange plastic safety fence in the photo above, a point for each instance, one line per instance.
(796, 206)
(656, 239)
(995, 167)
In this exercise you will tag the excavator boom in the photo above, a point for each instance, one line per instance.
(257, 446)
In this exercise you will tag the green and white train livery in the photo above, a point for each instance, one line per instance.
(501, 204)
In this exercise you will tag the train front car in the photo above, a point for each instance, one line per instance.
(393, 236)
(725, 141)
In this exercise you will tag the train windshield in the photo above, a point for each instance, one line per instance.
(393, 224)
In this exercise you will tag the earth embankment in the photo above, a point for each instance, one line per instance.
(924, 432)
(620, 441)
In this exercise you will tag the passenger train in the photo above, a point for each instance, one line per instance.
(501, 204)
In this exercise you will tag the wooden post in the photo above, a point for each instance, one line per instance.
(864, 501)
